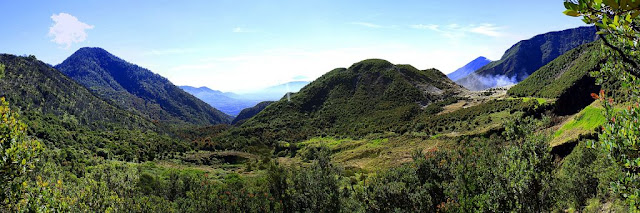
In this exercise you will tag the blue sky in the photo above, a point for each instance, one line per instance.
(236, 45)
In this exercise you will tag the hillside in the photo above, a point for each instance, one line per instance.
(222, 101)
(566, 78)
(64, 114)
(468, 68)
(370, 96)
(137, 89)
(527, 56)
(250, 112)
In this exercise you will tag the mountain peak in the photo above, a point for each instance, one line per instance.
(137, 89)
(481, 58)
(468, 68)
(94, 51)
(527, 56)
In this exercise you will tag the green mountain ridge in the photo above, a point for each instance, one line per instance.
(250, 112)
(65, 115)
(566, 78)
(370, 96)
(137, 89)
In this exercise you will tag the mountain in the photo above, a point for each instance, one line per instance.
(220, 100)
(527, 56)
(371, 96)
(34, 87)
(566, 78)
(468, 68)
(137, 89)
(250, 112)
(64, 114)
(272, 93)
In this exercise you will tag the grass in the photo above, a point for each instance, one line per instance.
(540, 100)
(371, 154)
(586, 121)
(527, 99)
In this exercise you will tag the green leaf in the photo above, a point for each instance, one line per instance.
(571, 13)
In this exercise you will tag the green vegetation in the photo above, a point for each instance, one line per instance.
(137, 89)
(65, 115)
(248, 113)
(558, 76)
(375, 137)
(587, 121)
(18, 156)
(372, 96)
(527, 56)
(616, 22)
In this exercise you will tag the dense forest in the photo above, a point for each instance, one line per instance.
(98, 134)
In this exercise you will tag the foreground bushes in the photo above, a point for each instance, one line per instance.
(514, 171)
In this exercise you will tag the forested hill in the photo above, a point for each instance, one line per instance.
(34, 87)
(137, 89)
(65, 115)
(370, 96)
(250, 112)
(566, 78)
(527, 56)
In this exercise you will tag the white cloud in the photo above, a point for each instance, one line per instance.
(243, 30)
(433, 27)
(458, 31)
(487, 29)
(366, 24)
(67, 29)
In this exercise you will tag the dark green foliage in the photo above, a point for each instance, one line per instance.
(371, 96)
(415, 188)
(525, 57)
(34, 87)
(584, 174)
(64, 114)
(248, 113)
(470, 118)
(312, 189)
(561, 74)
(137, 89)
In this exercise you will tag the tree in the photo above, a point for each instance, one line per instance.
(617, 23)
(18, 155)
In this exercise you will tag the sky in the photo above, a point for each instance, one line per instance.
(242, 46)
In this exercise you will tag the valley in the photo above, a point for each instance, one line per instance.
(549, 127)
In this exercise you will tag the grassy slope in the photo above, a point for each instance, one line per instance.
(584, 122)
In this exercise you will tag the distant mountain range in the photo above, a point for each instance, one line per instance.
(527, 56)
(232, 103)
(225, 102)
(468, 68)
(137, 89)
(272, 93)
